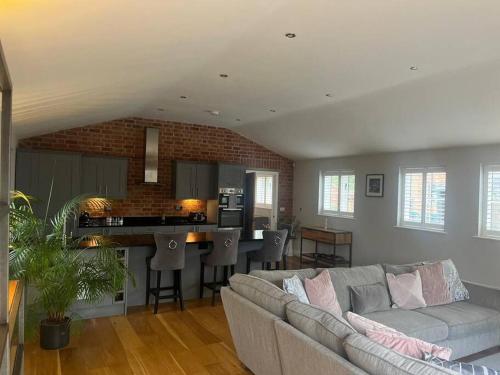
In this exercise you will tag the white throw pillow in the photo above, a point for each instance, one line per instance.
(293, 285)
(406, 290)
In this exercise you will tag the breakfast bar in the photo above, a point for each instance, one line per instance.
(135, 248)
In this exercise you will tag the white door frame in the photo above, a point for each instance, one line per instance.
(275, 175)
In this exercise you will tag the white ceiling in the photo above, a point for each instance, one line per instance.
(79, 62)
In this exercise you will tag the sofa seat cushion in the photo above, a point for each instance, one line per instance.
(464, 318)
(321, 325)
(412, 323)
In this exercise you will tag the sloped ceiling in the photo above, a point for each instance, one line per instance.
(80, 62)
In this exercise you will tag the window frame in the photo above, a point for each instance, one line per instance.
(401, 199)
(337, 213)
(483, 202)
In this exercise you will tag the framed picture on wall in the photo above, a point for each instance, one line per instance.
(374, 185)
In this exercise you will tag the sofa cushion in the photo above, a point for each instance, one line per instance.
(464, 318)
(320, 325)
(343, 278)
(378, 360)
(262, 293)
(276, 277)
(412, 323)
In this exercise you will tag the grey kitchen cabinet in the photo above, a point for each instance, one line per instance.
(231, 176)
(195, 180)
(105, 176)
(53, 178)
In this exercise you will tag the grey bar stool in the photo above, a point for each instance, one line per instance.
(224, 254)
(271, 251)
(169, 256)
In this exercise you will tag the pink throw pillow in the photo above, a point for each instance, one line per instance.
(362, 324)
(321, 293)
(406, 290)
(408, 345)
(434, 286)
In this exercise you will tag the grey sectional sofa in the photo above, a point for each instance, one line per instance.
(275, 334)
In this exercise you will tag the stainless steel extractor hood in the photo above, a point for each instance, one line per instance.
(151, 155)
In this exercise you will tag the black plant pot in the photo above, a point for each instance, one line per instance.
(54, 335)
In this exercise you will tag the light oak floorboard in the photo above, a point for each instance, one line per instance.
(196, 341)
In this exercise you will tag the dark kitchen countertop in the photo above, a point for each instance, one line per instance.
(137, 240)
(145, 222)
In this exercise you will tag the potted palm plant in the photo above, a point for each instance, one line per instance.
(56, 269)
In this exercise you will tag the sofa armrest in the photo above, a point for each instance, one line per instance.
(483, 295)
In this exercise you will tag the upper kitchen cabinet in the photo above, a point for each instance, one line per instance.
(50, 177)
(105, 176)
(231, 176)
(195, 180)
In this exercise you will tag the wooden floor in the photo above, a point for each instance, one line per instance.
(196, 341)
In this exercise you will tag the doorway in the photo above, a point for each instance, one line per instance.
(261, 200)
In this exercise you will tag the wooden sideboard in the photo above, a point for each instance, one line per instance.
(330, 236)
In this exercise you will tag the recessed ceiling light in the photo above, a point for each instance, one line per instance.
(290, 35)
(223, 75)
(272, 110)
(213, 112)
(413, 67)
(329, 95)
(160, 109)
(183, 97)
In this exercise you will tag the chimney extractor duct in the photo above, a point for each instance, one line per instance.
(151, 155)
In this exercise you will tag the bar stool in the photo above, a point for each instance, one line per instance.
(169, 256)
(271, 251)
(225, 254)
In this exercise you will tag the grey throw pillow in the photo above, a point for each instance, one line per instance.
(293, 285)
(459, 367)
(369, 298)
(458, 291)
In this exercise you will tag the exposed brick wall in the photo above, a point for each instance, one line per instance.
(178, 141)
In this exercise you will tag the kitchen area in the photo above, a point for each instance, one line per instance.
(206, 196)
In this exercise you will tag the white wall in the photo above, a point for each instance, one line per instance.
(376, 240)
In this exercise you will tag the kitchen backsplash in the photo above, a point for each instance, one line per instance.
(178, 141)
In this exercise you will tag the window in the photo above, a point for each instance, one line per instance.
(490, 202)
(264, 190)
(422, 199)
(336, 195)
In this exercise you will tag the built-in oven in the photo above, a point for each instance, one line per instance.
(231, 217)
(231, 208)
(231, 198)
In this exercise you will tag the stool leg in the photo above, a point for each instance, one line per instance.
(214, 285)
(202, 279)
(179, 290)
(263, 266)
(157, 294)
(224, 280)
(285, 262)
(277, 265)
(176, 286)
(232, 270)
(248, 265)
(148, 281)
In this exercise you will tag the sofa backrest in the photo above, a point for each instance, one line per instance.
(343, 278)
(320, 325)
(379, 360)
(262, 293)
(276, 277)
